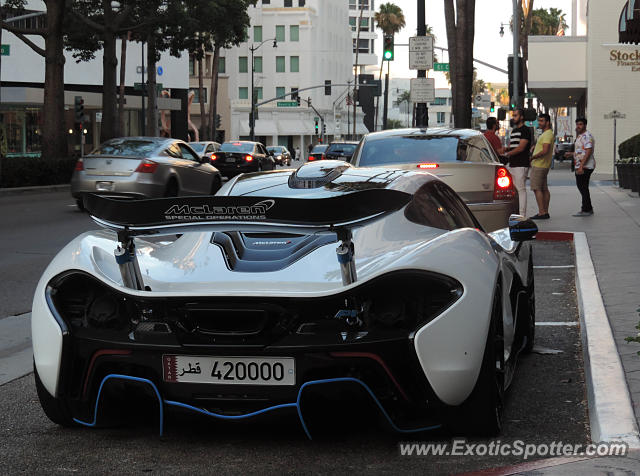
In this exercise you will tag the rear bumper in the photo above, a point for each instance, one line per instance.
(132, 186)
(229, 170)
(494, 215)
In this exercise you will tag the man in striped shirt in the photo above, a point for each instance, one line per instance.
(518, 156)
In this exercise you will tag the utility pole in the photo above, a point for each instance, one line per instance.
(386, 100)
(355, 84)
(144, 87)
(516, 53)
(422, 112)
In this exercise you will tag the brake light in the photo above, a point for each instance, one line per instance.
(214, 157)
(503, 189)
(80, 165)
(428, 166)
(248, 158)
(324, 157)
(147, 166)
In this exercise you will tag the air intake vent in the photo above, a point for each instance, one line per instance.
(317, 174)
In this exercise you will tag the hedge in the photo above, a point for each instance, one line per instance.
(32, 171)
(630, 147)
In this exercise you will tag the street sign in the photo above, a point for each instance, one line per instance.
(138, 86)
(6, 50)
(482, 100)
(529, 95)
(441, 66)
(423, 90)
(287, 103)
(421, 52)
(615, 115)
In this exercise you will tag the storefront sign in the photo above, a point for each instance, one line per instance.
(626, 59)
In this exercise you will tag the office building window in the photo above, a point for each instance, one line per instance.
(243, 64)
(279, 64)
(440, 117)
(266, 2)
(294, 33)
(196, 97)
(352, 4)
(302, 3)
(364, 45)
(222, 65)
(257, 34)
(439, 102)
(257, 64)
(295, 64)
(243, 93)
(280, 91)
(327, 87)
(288, 3)
(192, 66)
(280, 32)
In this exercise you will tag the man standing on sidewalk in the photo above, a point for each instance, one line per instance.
(518, 157)
(492, 127)
(540, 163)
(584, 162)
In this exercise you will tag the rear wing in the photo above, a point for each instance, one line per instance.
(163, 216)
(242, 213)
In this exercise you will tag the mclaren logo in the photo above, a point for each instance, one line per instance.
(257, 211)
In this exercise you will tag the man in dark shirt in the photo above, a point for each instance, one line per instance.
(492, 127)
(518, 156)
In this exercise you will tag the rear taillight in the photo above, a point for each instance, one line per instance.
(248, 158)
(324, 157)
(214, 157)
(503, 189)
(311, 158)
(79, 165)
(147, 166)
(428, 166)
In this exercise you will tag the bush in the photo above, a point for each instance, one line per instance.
(630, 147)
(32, 171)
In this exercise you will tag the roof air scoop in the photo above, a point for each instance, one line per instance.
(317, 174)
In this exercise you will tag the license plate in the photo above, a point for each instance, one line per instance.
(104, 186)
(229, 370)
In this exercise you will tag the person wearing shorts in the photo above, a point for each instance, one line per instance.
(540, 164)
(518, 157)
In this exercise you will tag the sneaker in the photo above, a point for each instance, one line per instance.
(544, 216)
(583, 214)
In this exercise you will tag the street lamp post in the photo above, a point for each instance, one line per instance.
(252, 114)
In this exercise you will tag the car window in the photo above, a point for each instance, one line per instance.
(408, 150)
(342, 149)
(458, 210)
(126, 148)
(319, 149)
(210, 148)
(174, 151)
(197, 146)
(187, 153)
(237, 147)
(429, 209)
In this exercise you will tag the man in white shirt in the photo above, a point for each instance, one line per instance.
(585, 162)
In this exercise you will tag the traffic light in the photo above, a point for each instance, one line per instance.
(387, 47)
(218, 121)
(316, 121)
(493, 106)
(309, 102)
(79, 108)
(520, 78)
(324, 127)
(298, 100)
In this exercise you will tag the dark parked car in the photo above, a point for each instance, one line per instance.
(143, 167)
(317, 152)
(340, 150)
(237, 157)
(281, 154)
(563, 144)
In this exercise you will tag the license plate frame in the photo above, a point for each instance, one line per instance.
(104, 186)
(229, 370)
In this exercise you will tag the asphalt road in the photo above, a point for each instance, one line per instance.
(546, 401)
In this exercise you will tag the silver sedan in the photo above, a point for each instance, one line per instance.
(144, 167)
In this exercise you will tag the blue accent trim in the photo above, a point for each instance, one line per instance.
(345, 258)
(124, 377)
(123, 258)
(295, 405)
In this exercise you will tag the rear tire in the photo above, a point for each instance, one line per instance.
(216, 184)
(172, 189)
(80, 204)
(530, 334)
(481, 413)
(56, 409)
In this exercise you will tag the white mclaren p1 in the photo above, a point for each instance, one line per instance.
(330, 280)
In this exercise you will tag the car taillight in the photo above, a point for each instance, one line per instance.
(80, 165)
(428, 166)
(324, 157)
(147, 166)
(214, 157)
(311, 158)
(248, 158)
(503, 189)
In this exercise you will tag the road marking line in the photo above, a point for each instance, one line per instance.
(559, 323)
(566, 266)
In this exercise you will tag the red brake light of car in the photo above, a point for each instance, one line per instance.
(324, 157)
(147, 166)
(214, 157)
(80, 165)
(311, 158)
(248, 158)
(503, 189)
(428, 166)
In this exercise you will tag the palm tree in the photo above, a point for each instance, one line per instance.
(390, 19)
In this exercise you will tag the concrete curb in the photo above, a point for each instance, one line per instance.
(31, 190)
(611, 413)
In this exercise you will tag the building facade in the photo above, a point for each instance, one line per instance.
(311, 60)
(366, 40)
(594, 70)
(439, 110)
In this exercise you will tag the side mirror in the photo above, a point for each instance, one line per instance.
(270, 153)
(205, 159)
(521, 229)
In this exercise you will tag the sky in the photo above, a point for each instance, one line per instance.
(488, 45)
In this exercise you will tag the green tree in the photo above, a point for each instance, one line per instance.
(478, 86)
(394, 124)
(548, 22)
(54, 140)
